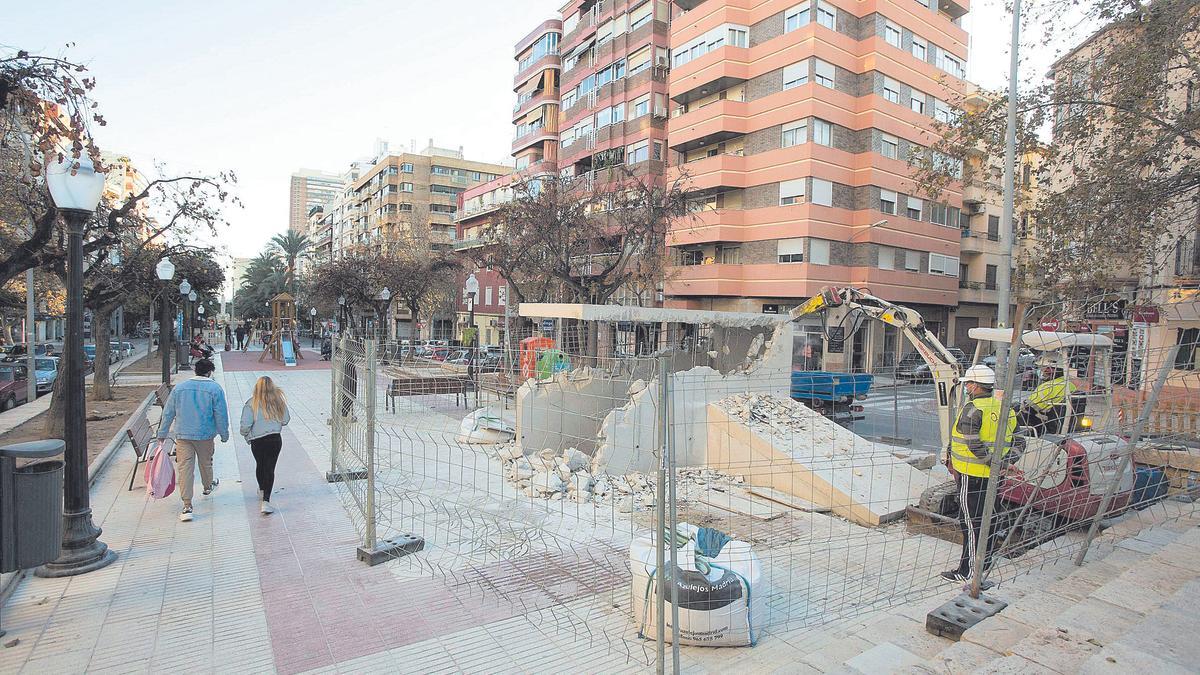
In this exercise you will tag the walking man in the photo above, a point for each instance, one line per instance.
(972, 440)
(240, 333)
(197, 409)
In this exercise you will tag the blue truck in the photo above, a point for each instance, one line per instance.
(837, 396)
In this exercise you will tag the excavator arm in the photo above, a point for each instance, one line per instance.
(942, 364)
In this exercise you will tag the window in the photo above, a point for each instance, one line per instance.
(691, 257)
(818, 251)
(826, 14)
(887, 258)
(440, 170)
(943, 265)
(658, 151)
(406, 207)
(950, 64)
(822, 192)
(570, 23)
(889, 146)
(1193, 96)
(790, 250)
(392, 171)
(1188, 356)
(796, 17)
(641, 106)
(791, 192)
(942, 111)
(795, 74)
(639, 60)
(919, 47)
(638, 152)
(822, 132)
(795, 133)
(916, 101)
(604, 33)
(445, 190)
(640, 16)
(887, 201)
(891, 90)
(891, 33)
(442, 208)
(702, 204)
(989, 277)
(739, 37)
(487, 295)
(994, 228)
(824, 72)
(912, 261)
(731, 255)
(406, 167)
(502, 295)
(914, 208)
(568, 99)
(406, 187)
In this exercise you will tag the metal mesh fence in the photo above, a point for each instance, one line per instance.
(532, 470)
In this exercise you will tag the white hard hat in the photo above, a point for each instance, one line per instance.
(980, 374)
(1047, 360)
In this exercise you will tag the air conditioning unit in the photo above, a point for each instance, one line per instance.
(978, 208)
(663, 61)
(660, 113)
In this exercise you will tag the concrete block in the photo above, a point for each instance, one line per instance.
(1118, 659)
(883, 659)
(1058, 649)
(998, 633)
(1036, 609)
(1084, 580)
(907, 634)
(962, 657)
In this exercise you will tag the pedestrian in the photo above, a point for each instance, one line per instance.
(228, 336)
(240, 334)
(263, 419)
(197, 409)
(972, 440)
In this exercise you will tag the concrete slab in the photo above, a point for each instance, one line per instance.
(1119, 659)
(884, 659)
(1013, 665)
(1143, 588)
(1084, 580)
(1168, 634)
(962, 657)
(998, 633)
(1058, 649)
(1103, 621)
(906, 633)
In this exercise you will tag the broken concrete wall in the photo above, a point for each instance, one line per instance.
(567, 410)
(754, 359)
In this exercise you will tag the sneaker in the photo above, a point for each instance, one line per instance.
(211, 488)
(185, 516)
(954, 575)
(267, 509)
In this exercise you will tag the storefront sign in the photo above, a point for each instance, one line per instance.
(1144, 313)
(1105, 310)
(1139, 335)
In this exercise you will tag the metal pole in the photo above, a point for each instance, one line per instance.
(669, 443)
(659, 522)
(335, 405)
(1004, 282)
(30, 338)
(1139, 427)
(471, 349)
(985, 528)
(164, 335)
(82, 551)
(370, 405)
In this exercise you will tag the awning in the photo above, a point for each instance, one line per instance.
(1041, 340)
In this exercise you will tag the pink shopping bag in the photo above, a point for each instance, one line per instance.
(160, 470)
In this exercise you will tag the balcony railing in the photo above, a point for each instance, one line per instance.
(1187, 259)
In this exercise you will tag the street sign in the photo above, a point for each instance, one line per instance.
(547, 325)
(1050, 325)
(837, 340)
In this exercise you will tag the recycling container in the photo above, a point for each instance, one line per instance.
(31, 504)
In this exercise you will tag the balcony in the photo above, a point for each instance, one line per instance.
(465, 244)
(551, 60)
(688, 5)
(533, 100)
(979, 242)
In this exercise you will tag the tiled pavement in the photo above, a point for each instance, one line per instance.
(234, 592)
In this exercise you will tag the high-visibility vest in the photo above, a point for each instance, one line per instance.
(1051, 393)
(961, 458)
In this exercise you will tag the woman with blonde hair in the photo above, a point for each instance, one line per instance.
(263, 419)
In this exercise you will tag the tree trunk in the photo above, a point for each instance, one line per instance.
(56, 417)
(101, 387)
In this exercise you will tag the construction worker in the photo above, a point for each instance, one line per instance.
(1045, 409)
(972, 440)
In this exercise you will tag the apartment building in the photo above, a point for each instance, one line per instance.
(615, 60)
(794, 123)
(535, 113)
(402, 194)
(310, 188)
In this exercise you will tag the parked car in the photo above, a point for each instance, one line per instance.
(127, 348)
(13, 388)
(116, 351)
(914, 369)
(439, 353)
(19, 350)
(46, 373)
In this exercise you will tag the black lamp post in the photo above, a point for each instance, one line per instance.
(342, 314)
(312, 327)
(472, 288)
(185, 350)
(76, 190)
(166, 272)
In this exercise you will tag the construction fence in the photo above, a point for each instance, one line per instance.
(555, 475)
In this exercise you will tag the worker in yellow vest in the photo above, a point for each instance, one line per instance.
(1046, 408)
(972, 440)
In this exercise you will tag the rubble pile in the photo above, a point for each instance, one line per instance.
(568, 475)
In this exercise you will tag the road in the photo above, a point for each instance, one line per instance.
(906, 411)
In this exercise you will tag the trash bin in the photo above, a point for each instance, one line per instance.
(31, 503)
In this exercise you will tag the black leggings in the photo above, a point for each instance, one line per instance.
(972, 499)
(266, 453)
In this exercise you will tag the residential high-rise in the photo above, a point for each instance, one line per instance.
(310, 188)
(535, 113)
(793, 121)
(613, 103)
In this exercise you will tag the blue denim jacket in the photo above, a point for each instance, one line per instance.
(197, 408)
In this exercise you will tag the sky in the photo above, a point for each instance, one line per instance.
(266, 87)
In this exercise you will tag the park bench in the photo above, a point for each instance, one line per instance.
(141, 434)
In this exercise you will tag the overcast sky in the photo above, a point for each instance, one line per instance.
(269, 86)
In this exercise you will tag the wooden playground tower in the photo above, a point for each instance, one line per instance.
(282, 325)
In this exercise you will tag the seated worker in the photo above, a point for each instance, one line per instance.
(1046, 408)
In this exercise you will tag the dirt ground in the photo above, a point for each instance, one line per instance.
(105, 419)
(144, 365)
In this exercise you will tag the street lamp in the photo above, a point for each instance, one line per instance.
(185, 354)
(342, 314)
(312, 327)
(472, 288)
(386, 296)
(75, 186)
(165, 270)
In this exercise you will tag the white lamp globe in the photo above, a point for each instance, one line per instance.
(74, 188)
(165, 269)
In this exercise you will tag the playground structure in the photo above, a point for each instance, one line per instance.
(280, 342)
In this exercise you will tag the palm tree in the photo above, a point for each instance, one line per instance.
(290, 245)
